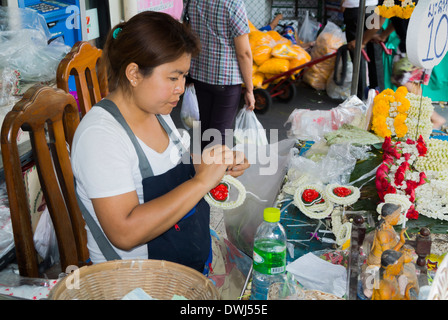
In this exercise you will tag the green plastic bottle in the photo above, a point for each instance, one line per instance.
(269, 258)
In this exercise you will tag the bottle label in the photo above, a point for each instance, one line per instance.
(272, 261)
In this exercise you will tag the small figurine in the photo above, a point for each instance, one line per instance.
(393, 284)
(385, 235)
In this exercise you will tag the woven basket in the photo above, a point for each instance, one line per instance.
(114, 279)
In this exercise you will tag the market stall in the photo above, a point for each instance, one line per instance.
(332, 181)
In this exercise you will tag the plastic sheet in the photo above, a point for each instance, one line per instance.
(263, 181)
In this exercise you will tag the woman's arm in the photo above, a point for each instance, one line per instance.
(245, 61)
(128, 224)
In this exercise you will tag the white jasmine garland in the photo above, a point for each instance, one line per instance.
(342, 231)
(432, 199)
(436, 158)
(348, 200)
(227, 205)
(418, 118)
(315, 211)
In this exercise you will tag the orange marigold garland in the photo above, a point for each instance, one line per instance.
(389, 9)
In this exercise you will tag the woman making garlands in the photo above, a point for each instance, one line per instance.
(133, 174)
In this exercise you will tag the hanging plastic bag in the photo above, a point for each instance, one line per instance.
(309, 29)
(190, 108)
(45, 238)
(248, 130)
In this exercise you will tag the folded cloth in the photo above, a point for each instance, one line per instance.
(314, 273)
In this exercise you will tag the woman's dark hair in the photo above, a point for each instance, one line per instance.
(148, 39)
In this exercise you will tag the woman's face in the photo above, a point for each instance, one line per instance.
(160, 92)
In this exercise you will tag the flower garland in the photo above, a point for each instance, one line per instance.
(433, 196)
(389, 9)
(342, 231)
(436, 157)
(312, 201)
(433, 199)
(389, 113)
(396, 175)
(342, 195)
(219, 196)
(418, 119)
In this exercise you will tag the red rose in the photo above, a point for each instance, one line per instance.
(421, 147)
(342, 192)
(310, 195)
(412, 213)
(399, 176)
(220, 192)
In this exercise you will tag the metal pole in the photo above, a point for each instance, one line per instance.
(358, 47)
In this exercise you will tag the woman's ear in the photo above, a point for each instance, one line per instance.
(132, 73)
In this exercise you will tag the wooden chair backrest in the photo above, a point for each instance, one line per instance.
(83, 62)
(51, 117)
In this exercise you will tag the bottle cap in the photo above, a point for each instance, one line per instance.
(271, 214)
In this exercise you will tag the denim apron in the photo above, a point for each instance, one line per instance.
(188, 242)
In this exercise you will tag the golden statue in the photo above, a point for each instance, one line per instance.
(385, 235)
(393, 284)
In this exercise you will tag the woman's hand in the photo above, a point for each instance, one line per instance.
(212, 165)
(249, 99)
(240, 164)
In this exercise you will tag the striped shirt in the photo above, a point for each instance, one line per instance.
(217, 23)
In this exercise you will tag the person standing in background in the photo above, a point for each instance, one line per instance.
(371, 74)
(224, 63)
(404, 73)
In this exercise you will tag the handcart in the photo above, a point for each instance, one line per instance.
(285, 89)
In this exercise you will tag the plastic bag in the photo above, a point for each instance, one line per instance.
(302, 58)
(263, 181)
(309, 29)
(258, 38)
(248, 130)
(328, 41)
(284, 51)
(24, 37)
(343, 91)
(312, 125)
(45, 238)
(190, 108)
(274, 66)
(261, 54)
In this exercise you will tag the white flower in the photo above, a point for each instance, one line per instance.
(348, 200)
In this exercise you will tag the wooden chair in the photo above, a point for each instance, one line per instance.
(51, 117)
(83, 62)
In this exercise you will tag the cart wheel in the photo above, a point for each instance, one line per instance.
(263, 101)
(289, 93)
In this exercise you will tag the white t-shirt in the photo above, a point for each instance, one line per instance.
(355, 3)
(105, 164)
